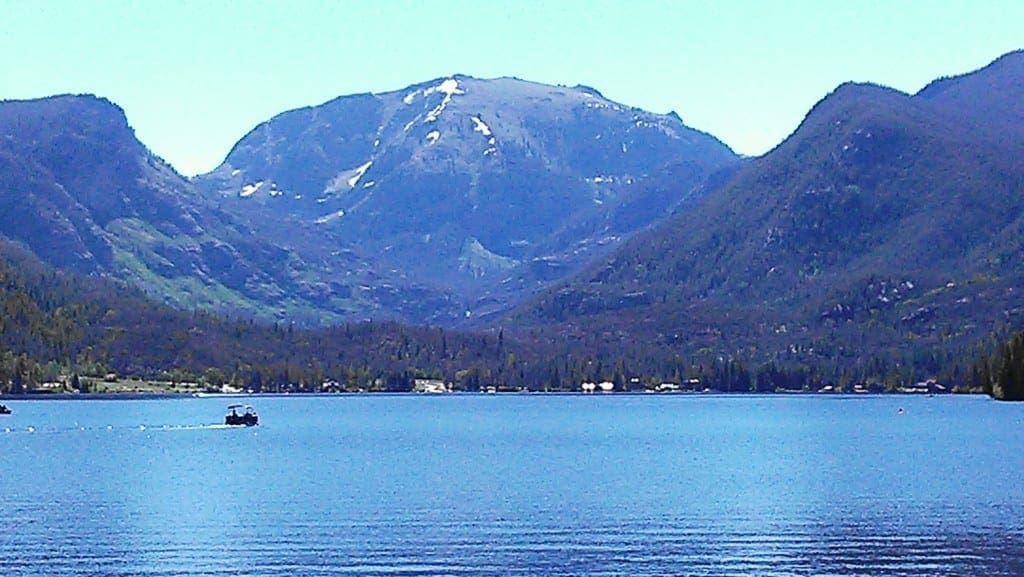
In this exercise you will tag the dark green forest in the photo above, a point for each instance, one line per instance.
(59, 327)
(1001, 374)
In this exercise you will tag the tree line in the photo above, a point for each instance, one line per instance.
(62, 327)
(1001, 374)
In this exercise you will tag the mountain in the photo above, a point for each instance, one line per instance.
(82, 193)
(886, 225)
(70, 167)
(482, 190)
(990, 97)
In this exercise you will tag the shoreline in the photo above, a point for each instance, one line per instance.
(166, 395)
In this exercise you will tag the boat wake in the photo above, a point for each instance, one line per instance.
(112, 428)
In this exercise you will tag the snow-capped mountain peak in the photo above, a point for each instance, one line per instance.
(500, 161)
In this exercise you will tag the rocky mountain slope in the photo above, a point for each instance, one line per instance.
(484, 190)
(886, 224)
(81, 192)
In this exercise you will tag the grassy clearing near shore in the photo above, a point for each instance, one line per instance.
(142, 386)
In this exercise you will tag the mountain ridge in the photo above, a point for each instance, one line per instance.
(877, 224)
(467, 185)
(82, 192)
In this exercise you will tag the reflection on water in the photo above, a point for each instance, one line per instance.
(514, 485)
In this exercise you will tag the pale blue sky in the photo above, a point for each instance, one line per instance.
(194, 76)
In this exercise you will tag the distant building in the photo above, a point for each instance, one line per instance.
(429, 386)
(924, 387)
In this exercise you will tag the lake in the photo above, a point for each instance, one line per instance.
(428, 485)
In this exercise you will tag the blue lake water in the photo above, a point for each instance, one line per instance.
(514, 485)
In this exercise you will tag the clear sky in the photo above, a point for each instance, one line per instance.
(194, 76)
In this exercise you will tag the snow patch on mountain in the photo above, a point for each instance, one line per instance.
(329, 217)
(250, 189)
(639, 122)
(432, 136)
(449, 88)
(591, 104)
(347, 179)
(436, 112)
(480, 126)
(360, 171)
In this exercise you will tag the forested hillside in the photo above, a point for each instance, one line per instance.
(55, 324)
(57, 327)
(886, 229)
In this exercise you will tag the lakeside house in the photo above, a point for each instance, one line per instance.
(430, 386)
(603, 386)
(930, 387)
